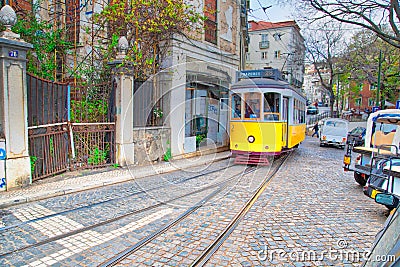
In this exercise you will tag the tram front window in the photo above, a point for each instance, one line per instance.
(236, 106)
(271, 110)
(252, 105)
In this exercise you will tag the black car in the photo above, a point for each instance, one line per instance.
(357, 135)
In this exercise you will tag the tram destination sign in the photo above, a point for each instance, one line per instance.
(262, 73)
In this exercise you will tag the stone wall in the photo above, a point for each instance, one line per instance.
(151, 144)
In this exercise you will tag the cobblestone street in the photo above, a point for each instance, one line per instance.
(312, 214)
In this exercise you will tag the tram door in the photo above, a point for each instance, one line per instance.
(285, 118)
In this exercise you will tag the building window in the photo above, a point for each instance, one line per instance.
(372, 87)
(371, 101)
(277, 36)
(264, 55)
(211, 24)
(264, 37)
(277, 54)
(357, 102)
(210, 31)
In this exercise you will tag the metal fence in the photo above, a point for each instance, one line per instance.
(148, 103)
(92, 117)
(313, 119)
(69, 127)
(47, 126)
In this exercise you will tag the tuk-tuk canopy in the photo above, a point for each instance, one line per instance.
(387, 116)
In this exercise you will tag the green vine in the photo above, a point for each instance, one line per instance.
(199, 138)
(98, 156)
(88, 110)
(47, 42)
(168, 155)
(51, 141)
(33, 160)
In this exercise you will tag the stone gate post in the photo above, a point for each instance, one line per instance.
(13, 105)
(123, 76)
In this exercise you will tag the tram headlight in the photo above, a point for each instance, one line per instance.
(251, 139)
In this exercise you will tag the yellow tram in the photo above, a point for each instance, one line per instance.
(267, 116)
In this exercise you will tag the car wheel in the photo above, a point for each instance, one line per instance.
(359, 179)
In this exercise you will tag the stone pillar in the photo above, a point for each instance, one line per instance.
(124, 79)
(13, 103)
(178, 105)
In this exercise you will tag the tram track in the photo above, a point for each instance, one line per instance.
(132, 213)
(207, 254)
(143, 191)
(124, 254)
(209, 251)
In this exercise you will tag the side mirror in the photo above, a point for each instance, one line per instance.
(386, 199)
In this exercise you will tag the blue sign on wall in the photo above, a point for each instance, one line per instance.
(398, 104)
(2, 154)
(13, 53)
(376, 108)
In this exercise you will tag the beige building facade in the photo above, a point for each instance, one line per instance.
(277, 45)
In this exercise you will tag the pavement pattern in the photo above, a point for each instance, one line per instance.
(312, 214)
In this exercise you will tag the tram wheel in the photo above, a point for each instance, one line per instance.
(359, 179)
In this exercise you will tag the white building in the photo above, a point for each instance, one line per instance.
(312, 86)
(277, 45)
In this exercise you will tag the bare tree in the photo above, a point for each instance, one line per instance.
(381, 17)
(323, 48)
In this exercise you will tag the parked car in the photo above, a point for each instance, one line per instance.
(312, 110)
(357, 136)
(333, 132)
(386, 248)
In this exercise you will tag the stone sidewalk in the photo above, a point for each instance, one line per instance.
(71, 182)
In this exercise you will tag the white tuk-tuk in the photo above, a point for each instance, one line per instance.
(334, 132)
(382, 140)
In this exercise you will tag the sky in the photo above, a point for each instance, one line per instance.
(274, 13)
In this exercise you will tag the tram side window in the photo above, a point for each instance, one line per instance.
(236, 106)
(252, 101)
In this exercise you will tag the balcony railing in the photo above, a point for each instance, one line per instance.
(264, 44)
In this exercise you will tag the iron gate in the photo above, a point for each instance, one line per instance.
(47, 126)
(69, 127)
(92, 119)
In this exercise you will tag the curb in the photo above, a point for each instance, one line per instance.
(161, 169)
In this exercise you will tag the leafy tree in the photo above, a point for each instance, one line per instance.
(148, 26)
(361, 61)
(46, 42)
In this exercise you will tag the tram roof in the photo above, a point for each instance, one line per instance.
(264, 83)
